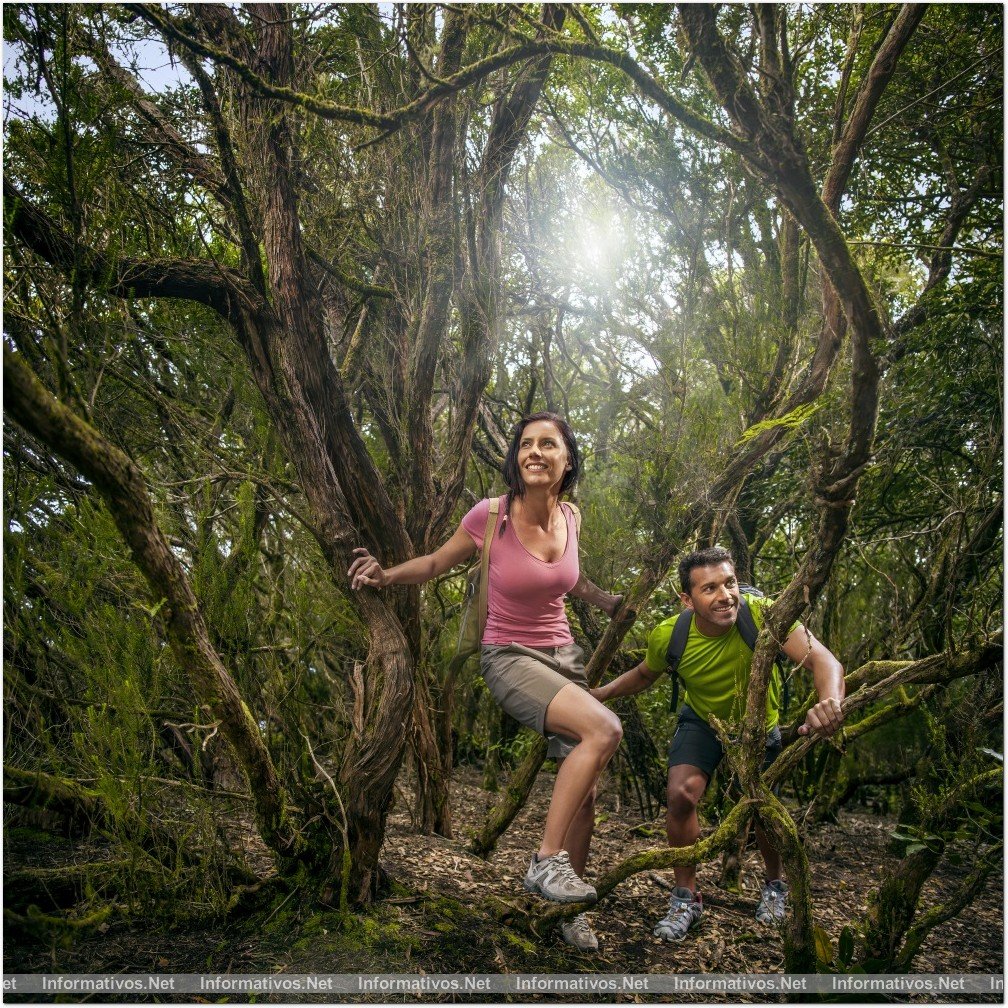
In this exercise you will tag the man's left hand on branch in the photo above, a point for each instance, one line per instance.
(824, 719)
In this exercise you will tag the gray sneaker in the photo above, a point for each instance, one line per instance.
(773, 903)
(578, 932)
(683, 914)
(554, 879)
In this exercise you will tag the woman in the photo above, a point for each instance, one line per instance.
(533, 564)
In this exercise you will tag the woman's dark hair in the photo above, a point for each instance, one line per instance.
(512, 476)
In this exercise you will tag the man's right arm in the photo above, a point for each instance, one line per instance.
(639, 678)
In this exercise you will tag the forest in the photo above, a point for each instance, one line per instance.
(279, 280)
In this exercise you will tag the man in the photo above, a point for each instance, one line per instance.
(714, 669)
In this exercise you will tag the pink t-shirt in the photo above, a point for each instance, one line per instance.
(525, 595)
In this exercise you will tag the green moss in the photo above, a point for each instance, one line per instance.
(398, 891)
(28, 836)
(516, 940)
(340, 942)
(442, 906)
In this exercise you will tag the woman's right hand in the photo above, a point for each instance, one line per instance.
(365, 570)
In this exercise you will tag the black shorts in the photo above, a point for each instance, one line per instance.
(695, 743)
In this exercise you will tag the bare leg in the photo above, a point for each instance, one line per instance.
(579, 833)
(576, 714)
(771, 857)
(686, 785)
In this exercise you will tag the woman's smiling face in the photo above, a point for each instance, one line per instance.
(542, 455)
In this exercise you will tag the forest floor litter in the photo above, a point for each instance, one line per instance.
(433, 923)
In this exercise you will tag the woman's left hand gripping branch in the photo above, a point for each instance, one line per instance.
(365, 570)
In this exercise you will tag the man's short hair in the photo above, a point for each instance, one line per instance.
(708, 557)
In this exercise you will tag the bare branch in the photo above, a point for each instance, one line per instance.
(211, 284)
(879, 74)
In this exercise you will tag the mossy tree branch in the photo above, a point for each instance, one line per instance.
(122, 486)
(705, 849)
(799, 938)
(961, 898)
(939, 668)
(80, 806)
(893, 905)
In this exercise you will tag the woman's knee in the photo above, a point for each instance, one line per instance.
(608, 732)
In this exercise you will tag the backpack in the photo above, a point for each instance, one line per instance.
(474, 605)
(474, 611)
(747, 628)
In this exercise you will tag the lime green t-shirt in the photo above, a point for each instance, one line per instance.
(715, 670)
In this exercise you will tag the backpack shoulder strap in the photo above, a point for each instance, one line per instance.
(747, 624)
(576, 511)
(674, 652)
(488, 535)
(677, 642)
(747, 628)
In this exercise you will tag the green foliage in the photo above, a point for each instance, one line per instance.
(648, 292)
(791, 421)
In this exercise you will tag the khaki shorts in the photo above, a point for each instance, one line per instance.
(525, 680)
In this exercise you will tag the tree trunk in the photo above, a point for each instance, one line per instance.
(894, 904)
(432, 757)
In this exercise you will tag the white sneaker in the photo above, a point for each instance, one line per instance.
(554, 879)
(578, 932)
(684, 913)
(773, 903)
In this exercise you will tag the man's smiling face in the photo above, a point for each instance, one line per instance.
(713, 597)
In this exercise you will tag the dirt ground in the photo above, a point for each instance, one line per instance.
(846, 859)
(433, 924)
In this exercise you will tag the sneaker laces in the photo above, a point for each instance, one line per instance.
(679, 916)
(677, 905)
(577, 932)
(774, 901)
(561, 867)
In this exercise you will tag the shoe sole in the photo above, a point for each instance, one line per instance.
(670, 938)
(586, 951)
(533, 887)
